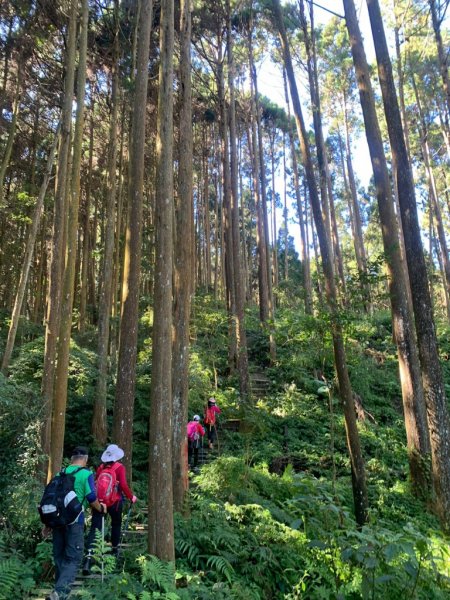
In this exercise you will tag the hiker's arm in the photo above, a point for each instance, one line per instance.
(122, 479)
(91, 496)
(99, 506)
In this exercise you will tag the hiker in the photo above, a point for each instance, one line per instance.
(68, 540)
(194, 433)
(211, 409)
(111, 485)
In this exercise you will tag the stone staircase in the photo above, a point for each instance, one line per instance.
(260, 384)
(135, 534)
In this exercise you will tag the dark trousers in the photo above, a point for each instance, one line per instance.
(193, 446)
(115, 512)
(68, 545)
(211, 433)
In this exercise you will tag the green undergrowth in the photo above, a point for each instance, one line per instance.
(272, 516)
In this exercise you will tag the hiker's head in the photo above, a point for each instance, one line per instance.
(79, 456)
(196, 418)
(211, 401)
(112, 454)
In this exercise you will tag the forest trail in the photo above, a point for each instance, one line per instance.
(134, 536)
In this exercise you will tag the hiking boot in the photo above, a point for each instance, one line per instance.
(53, 596)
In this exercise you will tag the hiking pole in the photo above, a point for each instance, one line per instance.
(124, 530)
(217, 437)
(103, 546)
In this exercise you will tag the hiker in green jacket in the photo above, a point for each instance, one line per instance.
(68, 540)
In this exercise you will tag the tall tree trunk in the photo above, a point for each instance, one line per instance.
(227, 247)
(409, 367)
(434, 199)
(86, 232)
(346, 394)
(238, 317)
(264, 312)
(99, 424)
(160, 498)
(29, 250)
(126, 369)
(438, 419)
(63, 347)
(328, 208)
(57, 243)
(306, 267)
(183, 268)
(12, 131)
(436, 20)
(265, 279)
(355, 215)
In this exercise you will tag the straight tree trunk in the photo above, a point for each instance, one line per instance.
(86, 232)
(437, 411)
(183, 268)
(99, 424)
(402, 319)
(436, 20)
(328, 208)
(57, 243)
(63, 346)
(227, 246)
(303, 235)
(238, 317)
(346, 394)
(29, 250)
(434, 199)
(160, 496)
(12, 132)
(126, 369)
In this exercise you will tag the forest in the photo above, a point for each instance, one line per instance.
(244, 200)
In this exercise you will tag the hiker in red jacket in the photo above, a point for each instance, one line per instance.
(111, 485)
(194, 433)
(211, 410)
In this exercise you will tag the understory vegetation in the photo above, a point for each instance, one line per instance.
(272, 516)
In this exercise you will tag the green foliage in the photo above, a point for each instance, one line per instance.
(16, 574)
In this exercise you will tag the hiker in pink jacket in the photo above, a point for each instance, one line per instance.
(211, 410)
(194, 433)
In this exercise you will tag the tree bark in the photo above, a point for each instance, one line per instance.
(183, 287)
(99, 424)
(160, 497)
(409, 367)
(86, 233)
(126, 370)
(63, 346)
(437, 412)
(56, 261)
(238, 317)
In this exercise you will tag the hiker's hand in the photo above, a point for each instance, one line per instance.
(133, 500)
(46, 531)
(103, 508)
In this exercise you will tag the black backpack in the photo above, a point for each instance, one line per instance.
(59, 504)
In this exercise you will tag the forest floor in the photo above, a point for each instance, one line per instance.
(271, 517)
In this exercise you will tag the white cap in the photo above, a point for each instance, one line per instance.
(196, 418)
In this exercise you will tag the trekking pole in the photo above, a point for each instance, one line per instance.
(217, 437)
(103, 546)
(124, 530)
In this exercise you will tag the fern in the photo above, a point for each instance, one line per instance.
(9, 577)
(157, 573)
(221, 565)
